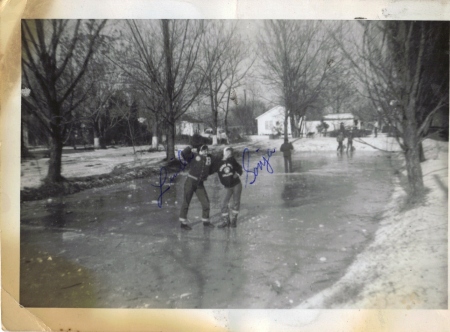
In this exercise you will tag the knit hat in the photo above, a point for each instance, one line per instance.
(228, 148)
(203, 148)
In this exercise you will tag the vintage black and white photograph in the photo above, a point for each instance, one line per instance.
(234, 164)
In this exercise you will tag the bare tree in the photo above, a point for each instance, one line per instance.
(163, 60)
(152, 105)
(55, 57)
(297, 58)
(404, 68)
(105, 83)
(340, 93)
(224, 56)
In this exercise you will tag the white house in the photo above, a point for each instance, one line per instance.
(334, 120)
(270, 120)
(309, 126)
(189, 126)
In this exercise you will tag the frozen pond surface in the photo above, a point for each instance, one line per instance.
(113, 247)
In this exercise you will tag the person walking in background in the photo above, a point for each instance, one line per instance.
(350, 140)
(286, 148)
(375, 128)
(199, 169)
(340, 140)
(325, 128)
(229, 171)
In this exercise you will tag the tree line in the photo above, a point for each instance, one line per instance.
(150, 73)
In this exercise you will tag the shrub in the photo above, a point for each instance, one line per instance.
(182, 139)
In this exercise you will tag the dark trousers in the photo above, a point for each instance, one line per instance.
(234, 192)
(287, 164)
(350, 145)
(192, 186)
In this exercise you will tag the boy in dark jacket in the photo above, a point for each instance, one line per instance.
(229, 170)
(286, 148)
(199, 169)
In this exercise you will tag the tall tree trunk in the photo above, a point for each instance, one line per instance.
(412, 157)
(300, 126)
(131, 135)
(286, 117)
(155, 135)
(170, 150)
(97, 138)
(101, 135)
(54, 167)
(215, 126)
(293, 126)
(414, 171)
(226, 123)
(421, 153)
(227, 132)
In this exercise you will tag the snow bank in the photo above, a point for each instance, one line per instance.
(406, 265)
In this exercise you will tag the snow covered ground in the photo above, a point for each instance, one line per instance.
(405, 267)
(95, 162)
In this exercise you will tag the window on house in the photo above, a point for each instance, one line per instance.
(268, 125)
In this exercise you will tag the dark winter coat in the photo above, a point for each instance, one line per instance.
(286, 148)
(350, 137)
(199, 166)
(227, 170)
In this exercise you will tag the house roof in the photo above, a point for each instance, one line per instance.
(189, 118)
(277, 109)
(339, 116)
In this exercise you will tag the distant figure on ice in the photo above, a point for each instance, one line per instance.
(325, 127)
(375, 129)
(199, 169)
(286, 148)
(350, 141)
(322, 128)
(229, 171)
(340, 140)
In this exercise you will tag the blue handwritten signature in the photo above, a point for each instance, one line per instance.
(259, 166)
(163, 177)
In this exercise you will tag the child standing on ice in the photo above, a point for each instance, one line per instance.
(229, 171)
(340, 140)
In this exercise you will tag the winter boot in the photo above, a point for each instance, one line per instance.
(225, 223)
(208, 224)
(185, 227)
(234, 221)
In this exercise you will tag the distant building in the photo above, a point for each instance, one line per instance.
(308, 126)
(189, 126)
(270, 122)
(334, 120)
